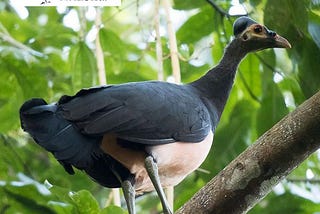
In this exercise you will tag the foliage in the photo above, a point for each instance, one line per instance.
(41, 57)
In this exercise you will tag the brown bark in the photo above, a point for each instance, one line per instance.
(248, 178)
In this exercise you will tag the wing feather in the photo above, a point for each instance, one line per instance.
(147, 112)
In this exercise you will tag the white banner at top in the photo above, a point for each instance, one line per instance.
(109, 3)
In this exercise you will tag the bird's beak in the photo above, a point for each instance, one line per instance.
(281, 42)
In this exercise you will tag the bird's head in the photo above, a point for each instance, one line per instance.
(256, 37)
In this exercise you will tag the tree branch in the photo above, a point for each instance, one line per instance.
(99, 51)
(173, 44)
(248, 178)
(5, 36)
(218, 9)
(159, 52)
(175, 65)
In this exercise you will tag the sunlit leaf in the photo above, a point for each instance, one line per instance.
(272, 109)
(112, 210)
(83, 66)
(285, 203)
(85, 202)
(197, 26)
(187, 4)
(112, 44)
(314, 28)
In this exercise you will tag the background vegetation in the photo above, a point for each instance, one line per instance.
(41, 55)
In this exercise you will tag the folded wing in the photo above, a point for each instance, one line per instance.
(147, 113)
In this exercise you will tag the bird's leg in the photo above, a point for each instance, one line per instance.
(128, 192)
(129, 195)
(152, 169)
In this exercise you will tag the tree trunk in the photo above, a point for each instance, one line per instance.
(248, 178)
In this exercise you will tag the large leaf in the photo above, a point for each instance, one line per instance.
(272, 109)
(231, 138)
(197, 26)
(83, 66)
(28, 195)
(112, 210)
(85, 202)
(285, 203)
(112, 44)
(187, 4)
(249, 77)
(296, 29)
(19, 82)
(289, 23)
(309, 77)
(314, 27)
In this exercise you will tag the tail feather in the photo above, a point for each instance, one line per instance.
(50, 130)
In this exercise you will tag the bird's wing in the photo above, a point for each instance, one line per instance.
(147, 113)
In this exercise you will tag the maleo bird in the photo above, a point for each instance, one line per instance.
(143, 136)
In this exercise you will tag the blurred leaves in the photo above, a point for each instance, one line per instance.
(29, 196)
(44, 58)
(279, 204)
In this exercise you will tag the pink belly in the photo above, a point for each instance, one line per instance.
(175, 161)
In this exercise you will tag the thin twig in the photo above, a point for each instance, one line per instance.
(158, 41)
(268, 65)
(83, 23)
(218, 9)
(173, 44)
(303, 180)
(115, 194)
(176, 73)
(5, 36)
(99, 51)
(118, 12)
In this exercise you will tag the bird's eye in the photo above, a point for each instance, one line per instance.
(257, 29)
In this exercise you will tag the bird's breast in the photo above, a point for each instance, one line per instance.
(175, 161)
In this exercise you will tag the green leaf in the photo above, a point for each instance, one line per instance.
(272, 109)
(61, 193)
(309, 77)
(231, 138)
(29, 194)
(83, 66)
(113, 210)
(61, 208)
(187, 4)
(288, 23)
(85, 202)
(19, 81)
(112, 44)
(249, 76)
(285, 203)
(197, 26)
(292, 85)
(314, 28)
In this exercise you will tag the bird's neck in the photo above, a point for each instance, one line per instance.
(216, 84)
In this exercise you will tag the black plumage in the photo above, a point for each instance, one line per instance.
(138, 113)
(141, 115)
(134, 111)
